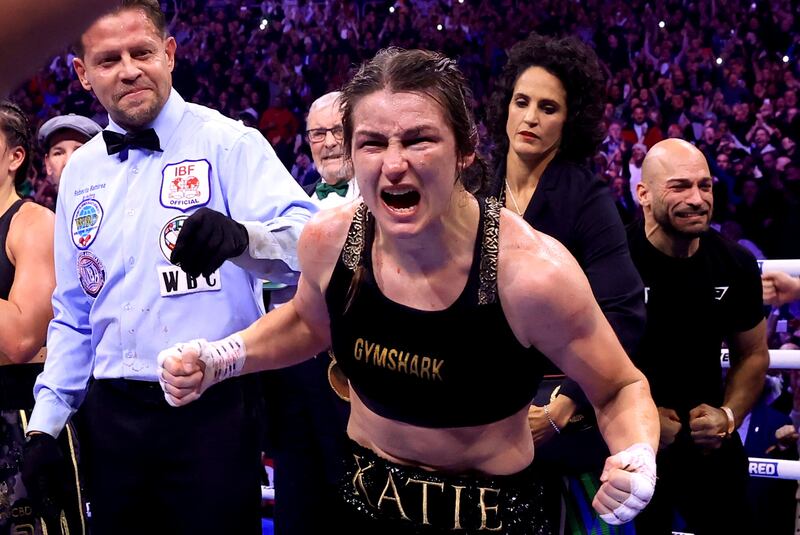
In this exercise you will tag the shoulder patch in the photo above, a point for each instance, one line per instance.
(86, 222)
(91, 273)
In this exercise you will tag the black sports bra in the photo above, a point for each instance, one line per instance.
(461, 366)
(7, 270)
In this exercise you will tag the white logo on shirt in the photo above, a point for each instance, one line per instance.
(186, 185)
(719, 292)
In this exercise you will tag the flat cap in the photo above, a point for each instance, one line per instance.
(78, 123)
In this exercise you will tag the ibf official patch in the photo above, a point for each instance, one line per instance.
(86, 222)
(169, 235)
(186, 185)
(91, 273)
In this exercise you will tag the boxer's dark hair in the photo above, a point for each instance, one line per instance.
(151, 8)
(431, 74)
(17, 131)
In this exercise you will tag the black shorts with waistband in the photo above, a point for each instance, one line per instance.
(391, 499)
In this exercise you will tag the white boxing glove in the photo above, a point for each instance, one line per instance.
(639, 463)
(216, 361)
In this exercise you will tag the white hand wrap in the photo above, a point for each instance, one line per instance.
(223, 359)
(640, 461)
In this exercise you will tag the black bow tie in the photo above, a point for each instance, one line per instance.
(145, 139)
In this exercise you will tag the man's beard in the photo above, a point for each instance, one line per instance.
(664, 221)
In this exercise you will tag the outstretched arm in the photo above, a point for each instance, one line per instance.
(289, 334)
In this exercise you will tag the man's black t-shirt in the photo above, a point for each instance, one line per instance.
(692, 305)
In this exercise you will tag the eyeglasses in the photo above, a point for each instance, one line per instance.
(316, 135)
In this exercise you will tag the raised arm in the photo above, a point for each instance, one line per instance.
(289, 334)
(260, 232)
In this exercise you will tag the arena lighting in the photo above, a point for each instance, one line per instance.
(439, 27)
(785, 59)
(391, 9)
(460, 1)
(661, 24)
(263, 24)
(719, 61)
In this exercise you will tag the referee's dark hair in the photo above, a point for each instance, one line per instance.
(151, 8)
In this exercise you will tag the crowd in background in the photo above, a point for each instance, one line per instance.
(723, 74)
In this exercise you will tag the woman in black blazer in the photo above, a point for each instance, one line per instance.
(545, 119)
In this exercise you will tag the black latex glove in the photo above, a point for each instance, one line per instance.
(207, 239)
(45, 475)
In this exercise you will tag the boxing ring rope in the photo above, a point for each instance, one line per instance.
(774, 468)
(779, 359)
(790, 267)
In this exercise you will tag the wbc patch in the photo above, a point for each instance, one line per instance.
(186, 185)
(86, 222)
(169, 235)
(172, 280)
(91, 273)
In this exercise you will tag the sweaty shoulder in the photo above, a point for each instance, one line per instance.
(322, 240)
(31, 220)
(519, 240)
(536, 275)
(31, 213)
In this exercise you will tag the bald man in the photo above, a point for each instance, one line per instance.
(700, 290)
(324, 134)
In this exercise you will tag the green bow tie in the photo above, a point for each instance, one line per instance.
(324, 189)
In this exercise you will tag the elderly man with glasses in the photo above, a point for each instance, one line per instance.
(325, 139)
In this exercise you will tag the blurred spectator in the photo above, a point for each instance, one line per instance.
(303, 169)
(633, 170)
(640, 129)
(714, 75)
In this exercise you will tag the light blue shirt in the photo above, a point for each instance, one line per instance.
(118, 300)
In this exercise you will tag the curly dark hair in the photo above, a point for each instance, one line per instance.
(17, 130)
(577, 67)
